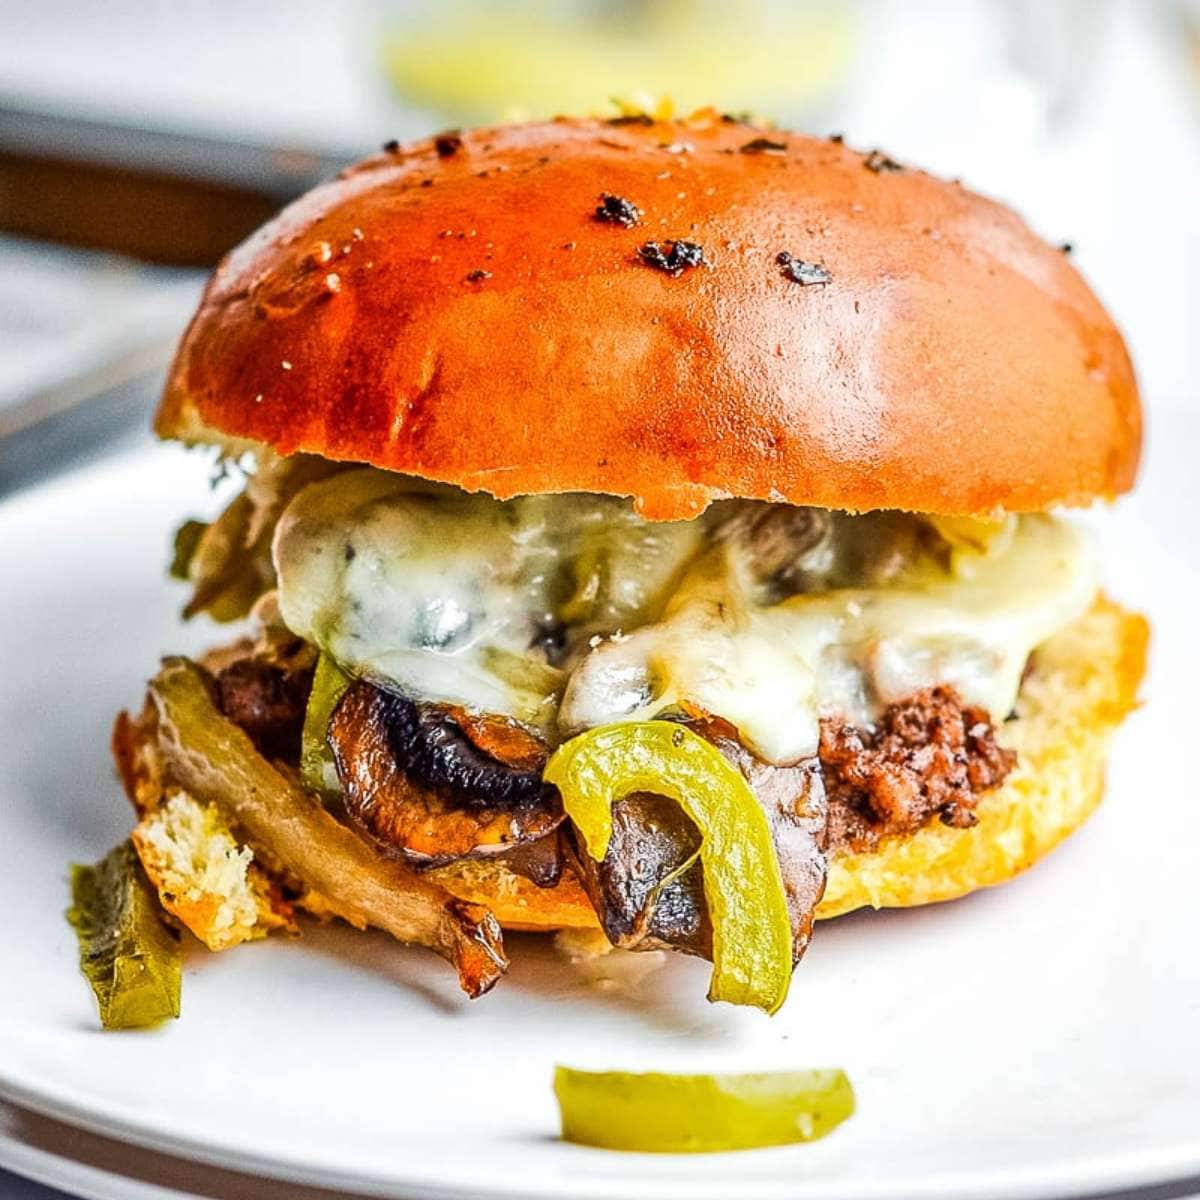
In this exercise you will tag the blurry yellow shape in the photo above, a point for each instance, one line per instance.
(540, 59)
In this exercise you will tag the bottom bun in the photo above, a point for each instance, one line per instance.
(1083, 683)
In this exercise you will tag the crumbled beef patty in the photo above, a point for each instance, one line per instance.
(929, 755)
(268, 702)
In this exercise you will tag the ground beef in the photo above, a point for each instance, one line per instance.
(268, 702)
(929, 755)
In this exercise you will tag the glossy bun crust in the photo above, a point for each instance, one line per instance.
(455, 309)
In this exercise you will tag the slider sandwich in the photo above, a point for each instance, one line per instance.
(650, 527)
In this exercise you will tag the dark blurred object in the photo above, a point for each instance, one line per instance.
(160, 197)
(74, 427)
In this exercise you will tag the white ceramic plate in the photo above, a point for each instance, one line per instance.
(1038, 1040)
(89, 1165)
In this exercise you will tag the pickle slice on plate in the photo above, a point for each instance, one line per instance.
(130, 957)
(691, 1114)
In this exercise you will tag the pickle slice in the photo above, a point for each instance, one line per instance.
(129, 956)
(329, 685)
(694, 1114)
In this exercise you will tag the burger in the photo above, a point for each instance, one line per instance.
(647, 527)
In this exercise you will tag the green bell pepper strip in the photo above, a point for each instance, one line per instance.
(131, 959)
(743, 885)
(690, 1114)
(317, 769)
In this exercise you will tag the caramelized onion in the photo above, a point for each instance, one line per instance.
(213, 759)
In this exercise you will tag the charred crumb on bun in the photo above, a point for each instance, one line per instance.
(764, 145)
(616, 210)
(448, 144)
(878, 162)
(672, 257)
(806, 274)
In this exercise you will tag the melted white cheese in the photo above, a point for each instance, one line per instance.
(443, 593)
(444, 596)
(774, 671)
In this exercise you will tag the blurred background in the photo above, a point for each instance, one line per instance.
(140, 139)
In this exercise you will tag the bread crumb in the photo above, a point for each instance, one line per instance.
(200, 871)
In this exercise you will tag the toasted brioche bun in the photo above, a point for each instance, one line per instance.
(460, 313)
(1084, 682)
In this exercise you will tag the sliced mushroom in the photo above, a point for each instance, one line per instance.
(788, 549)
(649, 890)
(268, 702)
(422, 789)
(540, 861)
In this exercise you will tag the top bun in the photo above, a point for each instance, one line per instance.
(457, 309)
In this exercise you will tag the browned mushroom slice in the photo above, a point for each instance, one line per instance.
(796, 807)
(476, 947)
(541, 861)
(422, 789)
(502, 738)
(648, 892)
(289, 830)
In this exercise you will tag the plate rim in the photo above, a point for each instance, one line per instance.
(1073, 1178)
(66, 1174)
